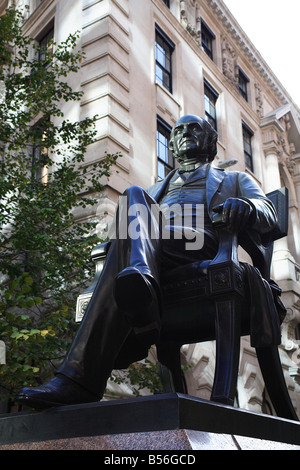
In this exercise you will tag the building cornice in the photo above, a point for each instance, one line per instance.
(244, 44)
(37, 13)
(209, 65)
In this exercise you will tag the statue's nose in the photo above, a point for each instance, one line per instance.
(186, 130)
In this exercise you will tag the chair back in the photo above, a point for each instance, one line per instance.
(260, 247)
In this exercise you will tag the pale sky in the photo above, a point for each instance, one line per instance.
(273, 28)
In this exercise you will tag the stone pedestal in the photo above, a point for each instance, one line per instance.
(159, 422)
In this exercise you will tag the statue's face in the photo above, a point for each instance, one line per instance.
(190, 140)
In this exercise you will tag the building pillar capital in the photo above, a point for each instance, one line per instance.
(272, 149)
(271, 132)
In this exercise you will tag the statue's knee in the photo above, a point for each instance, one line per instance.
(133, 190)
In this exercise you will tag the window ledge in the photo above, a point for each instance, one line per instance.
(168, 93)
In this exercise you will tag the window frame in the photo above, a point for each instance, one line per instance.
(170, 164)
(248, 133)
(39, 155)
(166, 72)
(44, 42)
(207, 47)
(243, 85)
(212, 119)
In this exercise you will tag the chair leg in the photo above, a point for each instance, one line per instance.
(166, 378)
(172, 377)
(271, 368)
(227, 352)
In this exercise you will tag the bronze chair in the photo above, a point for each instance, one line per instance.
(218, 309)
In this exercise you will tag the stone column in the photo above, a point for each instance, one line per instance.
(272, 180)
(283, 263)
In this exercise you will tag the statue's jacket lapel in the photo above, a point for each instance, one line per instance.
(221, 185)
(213, 187)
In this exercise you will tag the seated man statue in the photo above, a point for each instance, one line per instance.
(122, 319)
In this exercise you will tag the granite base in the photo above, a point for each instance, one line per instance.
(159, 422)
(180, 440)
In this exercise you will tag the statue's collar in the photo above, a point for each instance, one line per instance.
(191, 168)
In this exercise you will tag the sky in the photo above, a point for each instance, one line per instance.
(273, 28)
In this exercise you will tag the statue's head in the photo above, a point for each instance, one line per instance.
(193, 140)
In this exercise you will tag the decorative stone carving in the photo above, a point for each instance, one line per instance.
(229, 61)
(250, 381)
(199, 375)
(259, 100)
(276, 140)
(190, 17)
(287, 149)
(270, 139)
(289, 342)
(245, 47)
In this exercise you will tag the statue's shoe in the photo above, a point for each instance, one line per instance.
(58, 391)
(137, 298)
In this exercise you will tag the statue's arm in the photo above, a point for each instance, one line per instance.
(264, 216)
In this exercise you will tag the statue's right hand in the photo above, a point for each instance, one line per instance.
(234, 213)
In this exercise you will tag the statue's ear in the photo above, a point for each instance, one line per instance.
(171, 145)
(213, 149)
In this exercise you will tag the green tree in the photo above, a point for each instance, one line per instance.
(44, 249)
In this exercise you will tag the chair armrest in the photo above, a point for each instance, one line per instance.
(280, 200)
(228, 242)
(224, 271)
(98, 255)
(100, 251)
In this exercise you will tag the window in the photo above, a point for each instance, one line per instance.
(247, 140)
(163, 53)
(46, 44)
(165, 159)
(167, 2)
(210, 100)
(39, 168)
(207, 38)
(243, 84)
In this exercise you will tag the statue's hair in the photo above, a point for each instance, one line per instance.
(213, 135)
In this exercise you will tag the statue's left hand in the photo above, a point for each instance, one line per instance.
(235, 213)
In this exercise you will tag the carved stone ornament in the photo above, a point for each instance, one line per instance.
(190, 17)
(259, 100)
(229, 61)
(286, 149)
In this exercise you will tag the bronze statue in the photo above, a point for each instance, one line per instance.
(123, 317)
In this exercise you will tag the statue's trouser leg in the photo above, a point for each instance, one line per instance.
(104, 329)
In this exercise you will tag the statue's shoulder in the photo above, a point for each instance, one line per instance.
(154, 188)
(160, 186)
(243, 180)
(240, 175)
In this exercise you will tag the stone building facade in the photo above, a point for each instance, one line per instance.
(147, 63)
